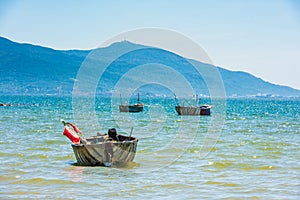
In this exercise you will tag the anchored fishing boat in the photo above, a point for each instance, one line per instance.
(193, 110)
(132, 108)
(101, 150)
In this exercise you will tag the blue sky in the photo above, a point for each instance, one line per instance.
(259, 37)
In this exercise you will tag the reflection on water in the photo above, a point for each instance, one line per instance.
(74, 173)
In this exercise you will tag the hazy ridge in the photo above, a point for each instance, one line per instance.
(27, 69)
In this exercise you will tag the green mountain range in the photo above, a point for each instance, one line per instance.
(27, 69)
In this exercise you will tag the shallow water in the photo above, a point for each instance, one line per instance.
(256, 156)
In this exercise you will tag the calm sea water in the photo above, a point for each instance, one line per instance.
(257, 156)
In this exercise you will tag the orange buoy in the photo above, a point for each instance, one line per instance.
(71, 134)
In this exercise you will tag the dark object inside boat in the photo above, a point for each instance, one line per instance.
(112, 133)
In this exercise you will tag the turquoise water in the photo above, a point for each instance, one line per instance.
(256, 156)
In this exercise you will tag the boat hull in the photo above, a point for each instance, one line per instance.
(133, 108)
(105, 153)
(190, 110)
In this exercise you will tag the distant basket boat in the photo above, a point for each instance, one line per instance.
(5, 104)
(101, 150)
(132, 108)
(193, 110)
